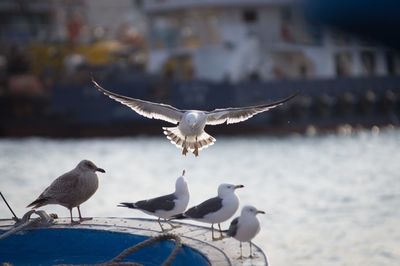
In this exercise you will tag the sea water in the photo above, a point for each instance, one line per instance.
(329, 200)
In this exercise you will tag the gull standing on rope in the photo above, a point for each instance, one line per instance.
(245, 227)
(71, 189)
(215, 210)
(165, 206)
(189, 135)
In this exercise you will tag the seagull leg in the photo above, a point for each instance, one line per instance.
(241, 255)
(220, 232)
(196, 148)
(251, 251)
(184, 150)
(72, 220)
(80, 216)
(172, 226)
(212, 234)
(162, 229)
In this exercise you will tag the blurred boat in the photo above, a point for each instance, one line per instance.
(76, 109)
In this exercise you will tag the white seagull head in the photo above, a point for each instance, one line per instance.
(192, 118)
(88, 166)
(250, 210)
(181, 186)
(227, 189)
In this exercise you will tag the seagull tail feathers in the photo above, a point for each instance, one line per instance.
(127, 205)
(178, 217)
(176, 138)
(39, 203)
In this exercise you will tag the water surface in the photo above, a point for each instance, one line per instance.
(330, 200)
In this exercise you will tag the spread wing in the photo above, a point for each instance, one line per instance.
(236, 115)
(147, 109)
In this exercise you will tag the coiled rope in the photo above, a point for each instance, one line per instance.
(43, 220)
(46, 220)
(118, 259)
(130, 250)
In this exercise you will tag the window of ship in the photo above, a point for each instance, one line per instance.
(343, 64)
(392, 63)
(368, 62)
(250, 16)
(286, 27)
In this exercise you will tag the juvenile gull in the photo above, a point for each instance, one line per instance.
(215, 210)
(165, 206)
(71, 189)
(245, 227)
(189, 135)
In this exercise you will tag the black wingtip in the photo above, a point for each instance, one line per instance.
(127, 205)
(292, 96)
(281, 101)
(178, 217)
(38, 203)
(94, 81)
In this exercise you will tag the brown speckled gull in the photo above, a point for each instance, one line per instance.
(71, 189)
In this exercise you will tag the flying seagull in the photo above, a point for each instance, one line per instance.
(165, 206)
(189, 135)
(215, 210)
(71, 189)
(245, 227)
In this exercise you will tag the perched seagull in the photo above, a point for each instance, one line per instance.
(189, 135)
(215, 210)
(71, 189)
(245, 227)
(165, 206)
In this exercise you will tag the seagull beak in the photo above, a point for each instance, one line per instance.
(100, 170)
(238, 186)
(259, 211)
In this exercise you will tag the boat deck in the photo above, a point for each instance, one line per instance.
(222, 252)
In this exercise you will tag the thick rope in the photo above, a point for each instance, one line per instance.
(43, 220)
(167, 262)
(19, 227)
(117, 260)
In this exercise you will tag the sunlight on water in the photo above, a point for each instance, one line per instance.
(330, 200)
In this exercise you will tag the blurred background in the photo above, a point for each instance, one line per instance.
(324, 166)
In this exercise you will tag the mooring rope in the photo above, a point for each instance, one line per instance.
(43, 220)
(118, 259)
(19, 228)
(178, 244)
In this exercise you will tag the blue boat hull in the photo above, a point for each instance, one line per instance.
(87, 246)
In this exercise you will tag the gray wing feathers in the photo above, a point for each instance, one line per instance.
(208, 206)
(165, 203)
(236, 115)
(147, 109)
(64, 184)
(233, 227)
(62, 187)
